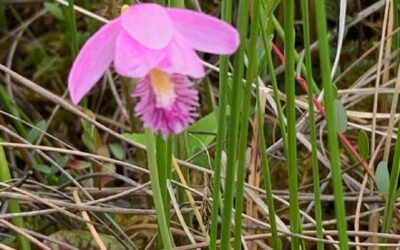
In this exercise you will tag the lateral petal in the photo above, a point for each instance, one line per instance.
(205, 33)
(93, 60)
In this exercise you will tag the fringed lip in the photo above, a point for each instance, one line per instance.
(166, 112)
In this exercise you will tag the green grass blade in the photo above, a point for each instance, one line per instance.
(72, 28)
(333, 145)
(244, 123)
(226, 13)
(392, 195)
(13, 205)
(313, 131)
(291, 120)
(237, 95)
(276, 242)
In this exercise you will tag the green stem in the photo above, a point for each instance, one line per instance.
(72, 28)
(163, 165)
(392, 195)
(396, 23)
(163, 159)
(237, 96)
(244, 124)
(177, 3)
(281, 34)
(313, 131)
(223, 94)
(291, 120)
(13, 205)
(281, 116)
(157, 195)
(333, 145)
(276, 242)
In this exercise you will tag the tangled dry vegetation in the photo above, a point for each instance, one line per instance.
(80, 176)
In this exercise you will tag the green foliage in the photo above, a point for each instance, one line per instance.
(36, 131)
(202, 132)
(340, 116)
(55, 10)
(382, 178)
(117, 150)
(363, 144)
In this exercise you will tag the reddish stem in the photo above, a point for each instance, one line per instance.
(303, 84)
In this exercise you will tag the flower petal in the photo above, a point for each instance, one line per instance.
(132, 59)
(182, 59)
(93, 60)
(149, 24)
(204, 32)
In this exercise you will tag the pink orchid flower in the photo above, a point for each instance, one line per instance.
(156, 45)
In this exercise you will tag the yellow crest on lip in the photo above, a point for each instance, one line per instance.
(124, 8)
(163, 88)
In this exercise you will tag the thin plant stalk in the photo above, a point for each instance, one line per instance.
(162, 164)
(271, 70)
(164, 169)
(72, 28)
(333, 145)
(281, 34)
(291, 120)
(276, 242)
(394, 178)
(176, 3)
(391, 198)
(244, 123)
(13, 205)
(236, 98)
(313, 131)
(157, 195)
(396, 23)
(226, 14)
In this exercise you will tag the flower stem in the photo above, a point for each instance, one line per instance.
(157, 196)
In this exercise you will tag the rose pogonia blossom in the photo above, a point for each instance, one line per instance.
(156, 45)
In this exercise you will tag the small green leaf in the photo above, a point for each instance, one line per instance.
(382, 178)
(43, 168)
(363, 143)
(202, 132)
(138, 138)
(117, 150)
(87, 140)
(79, 165)
(55, 10)
(36, 131)
(341, 117)
(103, 151)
